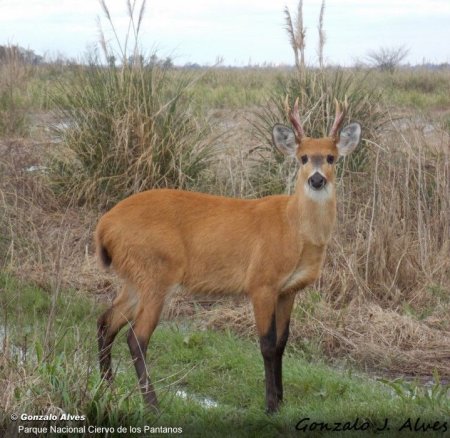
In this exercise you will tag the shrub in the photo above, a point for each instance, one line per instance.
(387, 58)
(126, 128)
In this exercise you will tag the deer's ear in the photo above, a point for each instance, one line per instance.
(284, 140)
(348, 139)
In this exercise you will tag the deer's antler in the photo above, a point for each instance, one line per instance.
(339, 118)
(294, 117)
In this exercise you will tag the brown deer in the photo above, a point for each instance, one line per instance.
(268, 249)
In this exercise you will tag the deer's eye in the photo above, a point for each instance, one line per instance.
(330, 159)
(304, 159)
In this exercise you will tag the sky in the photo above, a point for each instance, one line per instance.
(240, 32)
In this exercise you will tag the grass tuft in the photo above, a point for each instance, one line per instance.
(126, 127)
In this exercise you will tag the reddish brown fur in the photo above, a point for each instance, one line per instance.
(266, 248)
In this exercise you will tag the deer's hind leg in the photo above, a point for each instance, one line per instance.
(162, 278)
(147, 318)
(109, 324)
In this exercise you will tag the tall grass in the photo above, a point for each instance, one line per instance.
(14, 76)
(397, 209)
(127, 127)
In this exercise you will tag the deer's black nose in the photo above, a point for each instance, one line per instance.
(317, 181)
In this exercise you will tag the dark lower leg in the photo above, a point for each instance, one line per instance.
(268, 350)
(138, 349)
(279, 351)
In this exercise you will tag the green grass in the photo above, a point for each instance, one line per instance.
(422, 89)
(60, 373)
(228, 88)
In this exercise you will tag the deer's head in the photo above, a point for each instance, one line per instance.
(317, 156)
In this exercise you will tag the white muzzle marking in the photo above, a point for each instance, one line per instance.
(321, 195)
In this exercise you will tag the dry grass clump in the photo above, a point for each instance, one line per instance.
(222, 316)
(385, 339)
(128, 129)
(388, 262)
(393, 226)
(42, 240)
(128, 124)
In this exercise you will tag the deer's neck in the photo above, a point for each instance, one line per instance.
(313, 214)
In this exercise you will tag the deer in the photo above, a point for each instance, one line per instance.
(267, 249)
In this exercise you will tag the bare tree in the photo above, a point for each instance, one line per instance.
(387, 58)
(322, 35)
(297, 33)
